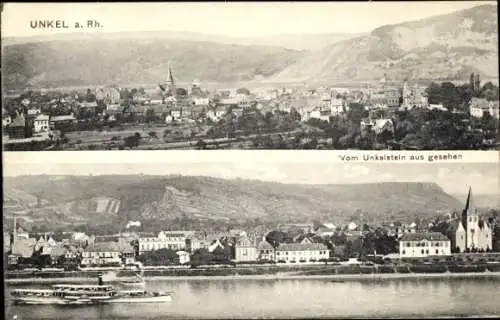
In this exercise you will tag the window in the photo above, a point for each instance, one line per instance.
(427, 251)
(422, 251)
(404, 252)
(437, 251)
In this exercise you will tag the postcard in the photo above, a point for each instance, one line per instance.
(299, 75)
(223, 235)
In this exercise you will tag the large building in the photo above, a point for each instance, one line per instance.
(469, 232)
(245, 250)
(301, 252)
(418, 245)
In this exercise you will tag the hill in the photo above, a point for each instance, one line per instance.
(442, 47)
(102, 61)
(297, 42)
(155, 198)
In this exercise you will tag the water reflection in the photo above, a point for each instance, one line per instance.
(295, 298)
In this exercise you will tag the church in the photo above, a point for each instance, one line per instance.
(468, 233)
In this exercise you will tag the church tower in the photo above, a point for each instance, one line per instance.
(170, 82)
(470, 221)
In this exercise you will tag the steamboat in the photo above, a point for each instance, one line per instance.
(84, 294)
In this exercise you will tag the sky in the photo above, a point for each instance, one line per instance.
(229, 19)
(306, 167)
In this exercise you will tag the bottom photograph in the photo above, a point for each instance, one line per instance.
(247, 239)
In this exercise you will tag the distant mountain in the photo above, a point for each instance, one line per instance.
(111, 198)
(101, 61)
(445, 47)
(442, 47)
(297, 42)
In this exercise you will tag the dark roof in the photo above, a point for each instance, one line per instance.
(301, 246)
(429, 236)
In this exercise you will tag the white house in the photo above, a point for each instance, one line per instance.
(245, 250)
(216, 114)
(265, 251)
(480, 106)
(42, 123)
(301, 252)
(101, 253)
(183, 257)
(321, 114)
(418, 245)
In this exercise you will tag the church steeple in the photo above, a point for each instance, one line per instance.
(469, 204)
(170, 77)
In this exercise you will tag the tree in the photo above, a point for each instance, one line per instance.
(159, 257)
(150, 115)
(244, 91)
(294, 114)
(489, 91)
(201, 256)
(276, 237)
(131, 141)
(153, 134)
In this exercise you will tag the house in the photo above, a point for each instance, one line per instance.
(321, 114)
(102, 253)
(176, 113)
(109, 95)
(41, 123)
(478, 107)
(17, 129)
(90, 106)
(64, 123)
(57, 252)
(21, 248)
(201, 101)
(352, 226)
(245, 250)
(216, 114)
(173, 240)
(413, 245)
(265, 251)
(469, 232)
(336, 107)
(183, 257)
(301, 253)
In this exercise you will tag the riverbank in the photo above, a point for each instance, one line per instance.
(283, 276)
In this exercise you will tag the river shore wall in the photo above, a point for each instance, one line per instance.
(333, 271)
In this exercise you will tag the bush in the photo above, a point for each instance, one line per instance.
(385, 269)
(493, 267)
(402, 269)
(467, 268)
(425, 268)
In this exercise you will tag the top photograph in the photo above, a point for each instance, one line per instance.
(206, 76)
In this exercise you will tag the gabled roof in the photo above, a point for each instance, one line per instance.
(429, 236)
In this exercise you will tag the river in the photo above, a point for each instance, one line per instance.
(291, 298)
